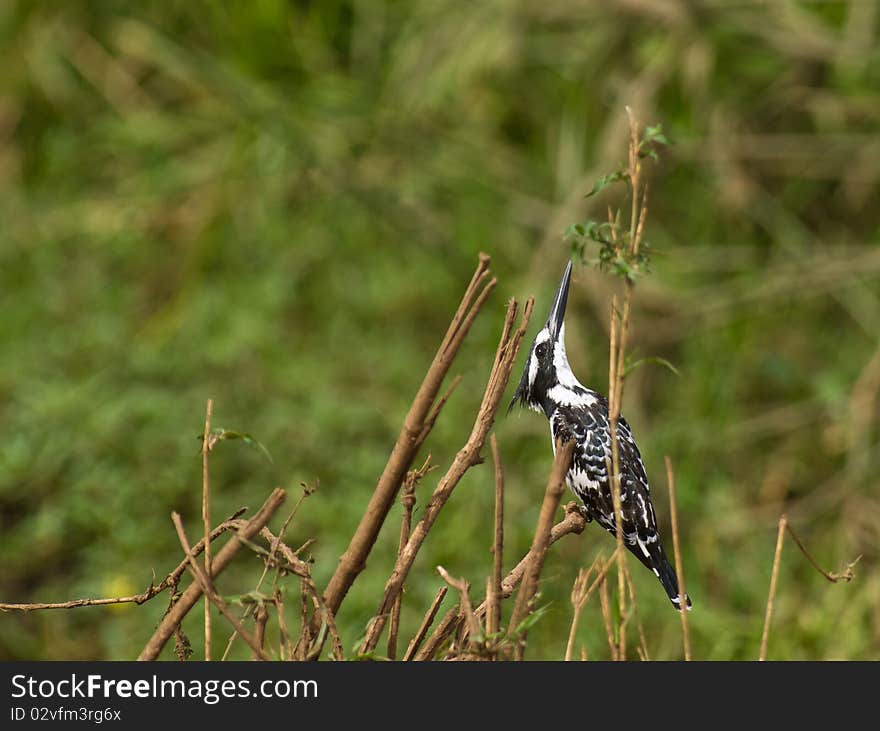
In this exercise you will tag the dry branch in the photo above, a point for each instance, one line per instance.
(169, 582)
(541, 540)
(679, 562)
(580, 594)
(574, 522)
(468, 455)
(207, 587)
(189, 598)
(493, 591)
(465, 606)
(408, 500)
(206, 519)
(774, 574)
(427, 621)
(845, 575)
(410, 438)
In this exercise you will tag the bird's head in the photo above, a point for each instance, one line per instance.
(547, 364)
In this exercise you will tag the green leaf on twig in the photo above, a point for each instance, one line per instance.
(218, 435)
(606, 180)
(630, 367)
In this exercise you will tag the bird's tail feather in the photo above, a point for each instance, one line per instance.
(657, 561)
(667, 576)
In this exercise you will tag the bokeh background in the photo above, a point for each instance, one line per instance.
(278, 204)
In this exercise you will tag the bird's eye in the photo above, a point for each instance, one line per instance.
(541, 350)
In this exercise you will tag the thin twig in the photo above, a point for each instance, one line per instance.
(411, 436)
(493, 592)
(463, 589)
(606, 618)
(209, 591)
(679, 563)
(416, 642)
(223, 558)
(307, 490)
(783, 520)
(845, 575)
(170, 581)
(642, 649)
(574, 522)
(541, 540)
(467, 456)
(285, 646)
(584, 597)
(578, 590)
(206, 519)
(408, 499)
(261, 616)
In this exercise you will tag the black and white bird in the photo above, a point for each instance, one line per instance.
(576, 412)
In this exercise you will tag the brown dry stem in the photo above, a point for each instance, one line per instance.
(845, 575)
(223, 558)
(207, 588)
(410, 438)
(427, 621)
(493, 590)
(467, 456)
(408, 500)
(541, 540)
(574, 522)
(206, 518)
(679, 563)
(169, 582)
(774, 574)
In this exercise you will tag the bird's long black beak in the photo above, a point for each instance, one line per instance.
(554, 325)
(557, 313)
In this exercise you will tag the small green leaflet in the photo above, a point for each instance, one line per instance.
(606, 180)
(218, 435)
(644, 361)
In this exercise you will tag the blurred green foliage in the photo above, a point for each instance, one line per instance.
(277, 205)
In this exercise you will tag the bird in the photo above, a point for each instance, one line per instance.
(576, 412)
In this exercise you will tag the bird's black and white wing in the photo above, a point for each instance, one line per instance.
(586, 421)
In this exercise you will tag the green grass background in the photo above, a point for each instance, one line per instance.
(278, 204)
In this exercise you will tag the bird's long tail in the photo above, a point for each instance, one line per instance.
(657, 561)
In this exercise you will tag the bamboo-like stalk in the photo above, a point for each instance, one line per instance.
(679, 563)
(771, 597)
(206, 519)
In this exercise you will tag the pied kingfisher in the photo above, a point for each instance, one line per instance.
(578, 413)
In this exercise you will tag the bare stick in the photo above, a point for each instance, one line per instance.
(408, 499)
(274, 547)
(642, 649)
(431, 420)
(170, 581)
(206, 519)
(581, 594)
(261, 616)
(574, 522)
(221, 561)
(845, 575)
(427, 621)
(606, 618)
(615, 393)
(285, 646)
(208, 589)
(679, 563)
(463, 588)
(467, 456)
(493, 592)
(541, 539)
(772, 595)
(411, 436)
(578, 590)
